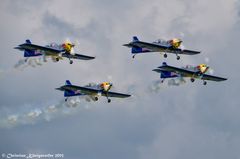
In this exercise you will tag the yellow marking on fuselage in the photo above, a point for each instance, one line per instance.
(176, 42)
(105, 86)
(68, 47)
(202, 68)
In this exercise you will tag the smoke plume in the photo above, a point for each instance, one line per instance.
(38, 114)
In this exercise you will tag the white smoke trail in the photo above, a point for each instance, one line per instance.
(22, 64)
(36, 114)
(158, 85)
(31, 62)
(176, 81)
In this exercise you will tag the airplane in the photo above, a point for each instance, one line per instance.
(93, 91)
(55, 51)
(193, 72)
(169, 46)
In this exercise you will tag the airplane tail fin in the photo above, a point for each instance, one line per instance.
(28, 41)
(135, 38)
(164, 64)
(69, 93)
(166, 74)
(68, 82)
(136, 49)
(30, 53)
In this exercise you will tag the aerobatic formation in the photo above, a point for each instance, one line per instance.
(93, 91)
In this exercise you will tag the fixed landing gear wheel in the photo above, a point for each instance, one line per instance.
(165, 55)
(204, 82)
(57, 59)
(96, 98)
(66, 100)
(133, 56)
(192, 79)
(109, 100)
(178, 57)
(71, 61)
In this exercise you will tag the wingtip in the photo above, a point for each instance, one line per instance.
(91, 57)
(129, 95)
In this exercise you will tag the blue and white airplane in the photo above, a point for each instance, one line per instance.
(93, 91)
(165, 46)
(55, 51)
(192, 72)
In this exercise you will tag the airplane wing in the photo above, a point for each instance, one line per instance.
(84, 90)
(115, 94)
(180, 71)
(91, 91)
(188, 52)
(48, 50)
(77, 56)
(188, 73)
(159, 48)
(213, 78)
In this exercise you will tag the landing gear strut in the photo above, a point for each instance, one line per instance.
(108, 100)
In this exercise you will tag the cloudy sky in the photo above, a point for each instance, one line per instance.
(159, 121)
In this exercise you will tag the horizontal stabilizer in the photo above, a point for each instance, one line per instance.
(135, 38)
